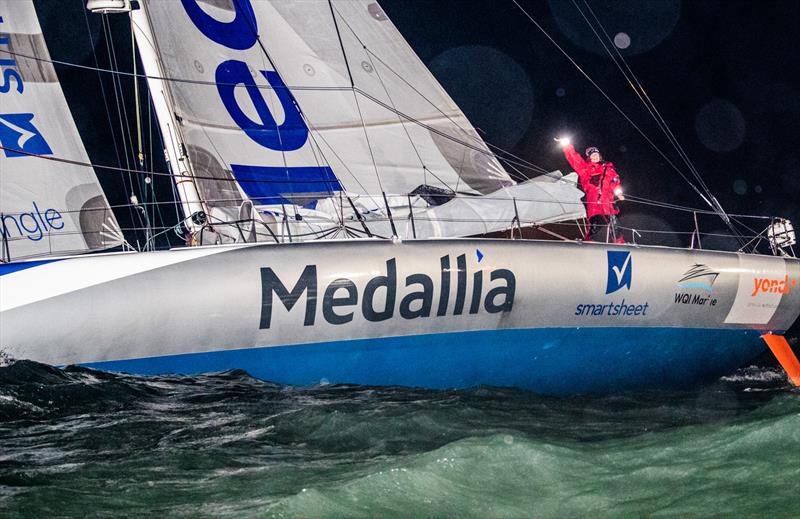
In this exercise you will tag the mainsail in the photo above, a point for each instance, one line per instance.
(46, 206)
(297, 103)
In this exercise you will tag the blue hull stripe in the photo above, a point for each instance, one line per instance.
(549, 360)
(8, 268)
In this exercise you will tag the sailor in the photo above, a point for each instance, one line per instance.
(601, 184)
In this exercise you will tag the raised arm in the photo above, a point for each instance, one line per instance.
(574, 159)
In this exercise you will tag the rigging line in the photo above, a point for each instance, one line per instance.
(654, 112)
(630, 76)
(635, 126)
(136, 102)
(165, 174)
(521, 162)
(341, 44)
(122, 112)
(355, 97)
(634, 200)
(385, 90)
(118, 93)
(366, 136)
(150, 166)
(291, 94)
(105, 99)
(433, 105)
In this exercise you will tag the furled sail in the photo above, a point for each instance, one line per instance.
(296, 102)
(47, 207)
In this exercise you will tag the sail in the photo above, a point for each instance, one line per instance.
(294, 102)
(47, 207)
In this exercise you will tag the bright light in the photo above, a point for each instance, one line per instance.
(618, 190)
(564, 141)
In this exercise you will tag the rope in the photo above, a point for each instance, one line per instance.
(611, 101)
(641, 93)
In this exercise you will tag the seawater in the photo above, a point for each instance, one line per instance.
(81, 443)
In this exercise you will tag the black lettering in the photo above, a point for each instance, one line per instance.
(461, 285)
(330, 301)
(390, 282)
(477, 288)
(425, 296)
(270, 283)
(444, 295)
(507, 291)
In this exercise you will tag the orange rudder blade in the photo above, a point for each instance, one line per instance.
(783, 352)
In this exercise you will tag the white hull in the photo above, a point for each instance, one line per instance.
(552, 317)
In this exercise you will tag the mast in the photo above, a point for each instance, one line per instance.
(175, 151)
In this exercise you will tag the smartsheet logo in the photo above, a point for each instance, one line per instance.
(20, 137)
(620, 268)
(619, 271)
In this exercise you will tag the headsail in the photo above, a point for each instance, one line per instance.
(46, 207)
(294, 102)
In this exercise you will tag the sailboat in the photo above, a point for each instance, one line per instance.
(338, 204)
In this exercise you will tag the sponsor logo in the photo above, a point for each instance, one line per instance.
(621, 309)
(698, 277)
(782, 285)
(275, 124)
(18, 134)
(620, 274)
(9, 75)
(19, 137)
(619, 271)
(32, 225)
(377, 299)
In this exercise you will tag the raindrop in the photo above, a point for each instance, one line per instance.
(720, 126)
(623, 148)
(740, 187)
(367, 66)
(199, 67)
(309, 70)
(645, 24)
(758, 189)
(560, 92)
(508, 439)
(622, 40)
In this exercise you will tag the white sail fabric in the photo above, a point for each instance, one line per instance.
(541, 200)
(46, 206)
(293, 102)
(369, 147)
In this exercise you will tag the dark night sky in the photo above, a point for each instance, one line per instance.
(722, 73)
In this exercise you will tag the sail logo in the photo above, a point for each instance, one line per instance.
(264, 184)
(377, 300)
(619, 271)
(10, 74)
(773, 285)
(33, 225)
(697, 277)
(20, 137)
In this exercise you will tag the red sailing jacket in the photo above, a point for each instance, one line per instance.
(598, 181)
